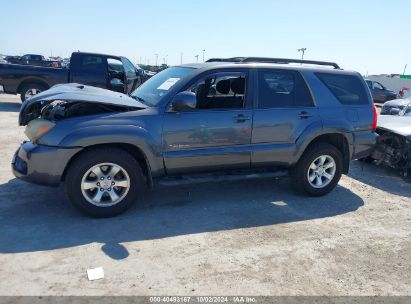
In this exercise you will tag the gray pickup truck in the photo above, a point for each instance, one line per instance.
(221, 120)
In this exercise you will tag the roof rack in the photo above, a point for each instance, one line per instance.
(273, 60)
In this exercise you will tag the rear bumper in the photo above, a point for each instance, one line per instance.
(42, 165)
(364, 144)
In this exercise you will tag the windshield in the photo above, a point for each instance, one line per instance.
(406, 110)
(157, 86)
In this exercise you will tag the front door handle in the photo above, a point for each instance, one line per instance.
(304, 114)
(241, 118)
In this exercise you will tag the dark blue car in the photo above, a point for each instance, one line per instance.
(379, 92)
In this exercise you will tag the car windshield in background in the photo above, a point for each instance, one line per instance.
(406, 110)
(157, 86)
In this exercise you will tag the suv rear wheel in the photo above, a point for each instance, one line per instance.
(104, 182)
(319, 170)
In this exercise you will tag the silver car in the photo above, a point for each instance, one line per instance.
(396, 106)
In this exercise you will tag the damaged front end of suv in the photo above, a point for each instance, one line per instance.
(41, 113)
(393, 146)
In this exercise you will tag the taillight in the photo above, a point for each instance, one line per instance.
(374, 119)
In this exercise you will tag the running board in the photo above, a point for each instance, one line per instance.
(189, 179)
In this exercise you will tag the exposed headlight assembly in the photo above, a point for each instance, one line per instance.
(36, 128)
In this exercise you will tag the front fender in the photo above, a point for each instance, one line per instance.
(125, 134)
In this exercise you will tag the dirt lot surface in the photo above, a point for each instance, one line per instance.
(248, 237)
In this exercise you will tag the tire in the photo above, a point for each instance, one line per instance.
(301, 173)
(34, 87)
(108, 160)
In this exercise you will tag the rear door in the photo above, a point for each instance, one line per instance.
(284, 109)
(217, 134)
(350, 97)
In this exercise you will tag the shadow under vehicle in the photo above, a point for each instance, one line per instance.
(34, 222)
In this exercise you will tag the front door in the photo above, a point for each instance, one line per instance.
(131, 77)
(216, 134)
(285, 109)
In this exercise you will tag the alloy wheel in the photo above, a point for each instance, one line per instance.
(105, 184)
(321, 171)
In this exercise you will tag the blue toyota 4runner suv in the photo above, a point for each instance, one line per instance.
(220, 120)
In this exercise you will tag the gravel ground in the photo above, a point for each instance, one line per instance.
(248, 237)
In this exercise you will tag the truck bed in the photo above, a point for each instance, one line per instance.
(13, 76)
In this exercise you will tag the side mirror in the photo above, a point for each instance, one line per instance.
(395, 111)
(117, 85)
(184, 101)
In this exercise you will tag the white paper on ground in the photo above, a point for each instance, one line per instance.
(95, 273)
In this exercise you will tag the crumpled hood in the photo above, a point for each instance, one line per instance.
(397, 124)
(74, 92)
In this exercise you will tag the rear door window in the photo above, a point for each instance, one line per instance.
(282, 89)
(348, 89)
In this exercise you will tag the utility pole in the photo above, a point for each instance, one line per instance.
(405, 68)
(156, 59)
(196, 56)
(302, 50)
(203, 54)
(181, 58)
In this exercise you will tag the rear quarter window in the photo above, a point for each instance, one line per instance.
(90, 63)
(348, 89)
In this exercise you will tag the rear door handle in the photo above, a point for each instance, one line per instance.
(304, 114)
(241, 118)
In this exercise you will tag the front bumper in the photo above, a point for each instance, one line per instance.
(40, 164)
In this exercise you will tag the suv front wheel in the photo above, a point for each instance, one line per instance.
(104, 182)
(319, 170)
